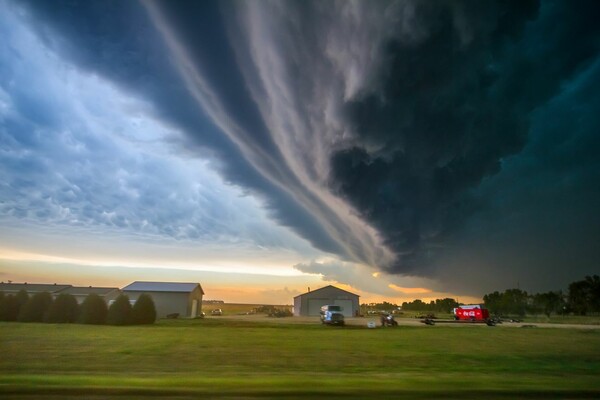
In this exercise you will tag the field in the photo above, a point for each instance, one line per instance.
(257, 357)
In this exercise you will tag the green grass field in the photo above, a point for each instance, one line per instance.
(221, 357)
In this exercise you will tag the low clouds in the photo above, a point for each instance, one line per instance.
(417, 138)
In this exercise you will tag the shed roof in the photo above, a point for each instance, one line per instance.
(87, 290)
(180, 287)
(31, 287)
(326, 287)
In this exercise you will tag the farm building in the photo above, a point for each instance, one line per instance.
(81, 293)
(309, 303)
(32, 288)
(184, 299)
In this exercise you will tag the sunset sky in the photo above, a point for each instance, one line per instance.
(399, 150)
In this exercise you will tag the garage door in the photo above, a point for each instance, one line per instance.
(346, 307)
(314, 306)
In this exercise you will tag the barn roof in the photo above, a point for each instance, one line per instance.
(87, 290)
(179, 287)
(326, 287)
(31, 287)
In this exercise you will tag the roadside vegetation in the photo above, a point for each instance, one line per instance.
(41, 307)
(582, 299)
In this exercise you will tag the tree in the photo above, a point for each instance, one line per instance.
(594, 292)
(93, 310)
(416, 305)
(9, 308)
(144, 310)
(64, 309)
(445, 305)
(515, 301)
(584, 295)
(119, 312)
(493, 302)
(22, 298)
(511, 301)
(36, 308)
(549, 302)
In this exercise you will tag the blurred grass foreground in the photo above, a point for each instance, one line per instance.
(220, 357)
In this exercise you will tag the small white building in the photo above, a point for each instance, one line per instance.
(309, 303)
(170, 298)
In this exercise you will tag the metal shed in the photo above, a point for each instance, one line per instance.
(309, 303)
(82, 292)
(31, 288)
(169, 298)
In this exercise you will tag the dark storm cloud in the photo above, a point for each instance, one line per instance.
(391, 134)
(540, 226)
(449, 109)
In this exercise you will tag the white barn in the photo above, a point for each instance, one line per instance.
(170, 298)
(309, 303)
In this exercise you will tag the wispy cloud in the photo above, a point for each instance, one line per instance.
(82, 157)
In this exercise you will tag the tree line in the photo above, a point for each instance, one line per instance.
(439, 305)
(64, 309)
(582, 298)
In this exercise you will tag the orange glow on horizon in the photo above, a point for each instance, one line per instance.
(407, 290)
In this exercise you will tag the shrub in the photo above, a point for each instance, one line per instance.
(64, 309)
(9, 308)
(93, 310)
(144, 310)
(119, 312)
(22, 298)
(36, 308)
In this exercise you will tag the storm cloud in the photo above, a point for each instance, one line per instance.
(419, 138)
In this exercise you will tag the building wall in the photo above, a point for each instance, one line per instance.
(167, 303)
(195, 296)
(107, 297)
(309, 304)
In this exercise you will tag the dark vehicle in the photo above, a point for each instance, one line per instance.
(388, 320)
(332, 315)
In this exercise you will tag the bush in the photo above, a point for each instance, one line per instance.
(36, 308)
(280, 313)
(9, 308)
(64, 310)
(93, 310)
(119, 312)
(144, 311)
(22, 298)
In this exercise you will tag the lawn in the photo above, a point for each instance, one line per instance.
(221, 357)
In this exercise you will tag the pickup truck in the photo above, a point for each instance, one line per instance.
(332, 315)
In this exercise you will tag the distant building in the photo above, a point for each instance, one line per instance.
(31, 288)
(309, 303)
(80, 293)
(108, 294)
(184, 299)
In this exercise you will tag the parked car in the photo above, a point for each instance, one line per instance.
(332, 315)
(216, 312)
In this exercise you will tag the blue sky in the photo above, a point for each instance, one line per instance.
(261, 148)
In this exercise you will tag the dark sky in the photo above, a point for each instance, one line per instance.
(451, 140)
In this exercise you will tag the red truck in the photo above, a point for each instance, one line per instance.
(473, 312)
